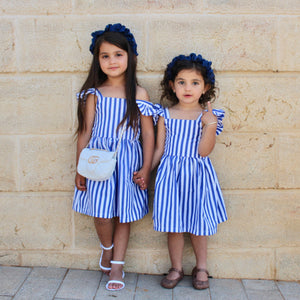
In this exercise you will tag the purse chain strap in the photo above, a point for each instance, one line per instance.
(119, 142)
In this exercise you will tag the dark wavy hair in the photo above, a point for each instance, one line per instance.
(97, 77)
(168, 97)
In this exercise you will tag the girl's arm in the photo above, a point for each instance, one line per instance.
(160, 142)
(84, 137)
(208, 137)
(142, 177)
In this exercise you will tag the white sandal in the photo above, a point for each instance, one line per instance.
(100, 261)
(116, 281)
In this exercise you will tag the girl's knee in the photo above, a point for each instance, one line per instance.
(102, 221)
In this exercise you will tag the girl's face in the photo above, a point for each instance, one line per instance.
(188, 86)
(113, 60)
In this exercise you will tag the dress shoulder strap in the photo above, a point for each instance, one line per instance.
(167, 113)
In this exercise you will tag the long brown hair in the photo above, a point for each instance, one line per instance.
(97, 77)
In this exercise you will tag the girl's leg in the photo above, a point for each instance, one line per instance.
(104, 228)
(199, 244)
(121, 238)
(175, 246)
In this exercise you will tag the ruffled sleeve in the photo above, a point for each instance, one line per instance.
(220, 114)
(146, 108)
(149, 109)
(92, 91)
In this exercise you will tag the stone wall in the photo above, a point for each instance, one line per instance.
(255, 49)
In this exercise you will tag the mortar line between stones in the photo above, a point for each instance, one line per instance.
(60, 284)
(244, 288)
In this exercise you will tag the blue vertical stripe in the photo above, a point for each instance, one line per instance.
(187, 195)
(119, 196)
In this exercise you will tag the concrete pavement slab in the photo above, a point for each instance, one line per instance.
(79, 284)
(42, 283)
(261, 289)
(11, 279)
(227, 289)
(289, 290)
(148, 287)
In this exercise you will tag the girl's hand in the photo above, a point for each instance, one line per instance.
(208, 118)
(80, 182)
(141, 178)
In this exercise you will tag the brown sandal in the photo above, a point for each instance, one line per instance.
(170, 284)
(199, 284)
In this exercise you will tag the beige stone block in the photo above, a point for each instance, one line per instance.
(143, 236)
(151, 82)
(9, 258)
(289, 160)
(69, 38)
(261, 103)
(239, 43)
(37, 104)
(137, 6)
(242, 263)
(9, 162)
(147, 261)
(35, 221)
(62, 259)
(49, 44)
(7, 46)
(47, 163)
(77, 82)
(85, 233)
(288, 43)
(222, 263)
(259, 219)
(110, 7)
(288, 264)
(34, 7)
(245, 161)
(244, 6)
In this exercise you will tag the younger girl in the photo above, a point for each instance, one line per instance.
(187, 193)
(107, 103)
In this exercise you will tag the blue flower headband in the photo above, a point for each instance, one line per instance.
(114, 28)
(193, 58)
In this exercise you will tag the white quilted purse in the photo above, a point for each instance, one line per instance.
(98, 164)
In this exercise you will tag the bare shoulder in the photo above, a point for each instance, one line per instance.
(142, 94)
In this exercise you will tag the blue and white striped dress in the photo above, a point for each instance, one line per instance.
(187, 195)
(118, 196)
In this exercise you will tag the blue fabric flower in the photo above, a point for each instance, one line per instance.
(194, 58)
(115, 28)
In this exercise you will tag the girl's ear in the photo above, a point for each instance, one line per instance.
(171, 84)
(207, 87)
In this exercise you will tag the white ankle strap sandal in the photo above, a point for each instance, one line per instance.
(116, 262)
(100, 261)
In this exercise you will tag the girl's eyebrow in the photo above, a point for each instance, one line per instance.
(195, 79)
(118, 51)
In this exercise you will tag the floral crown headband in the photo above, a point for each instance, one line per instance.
(114, 28)
(193, 58)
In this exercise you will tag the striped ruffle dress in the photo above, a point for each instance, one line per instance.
(118, 196)
(187, 195)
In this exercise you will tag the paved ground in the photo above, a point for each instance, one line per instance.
(66, 284)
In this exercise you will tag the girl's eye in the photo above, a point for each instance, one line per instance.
(181, 82)
(104, 56)
(195, 83)
(119, 54)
